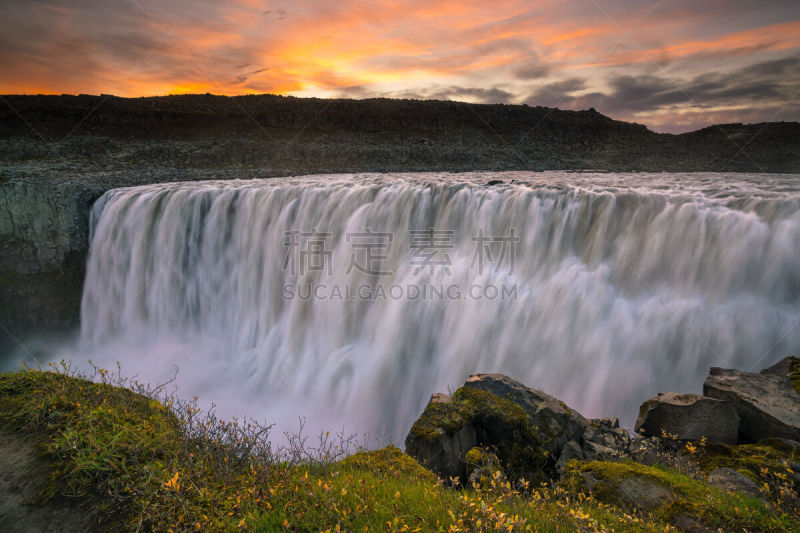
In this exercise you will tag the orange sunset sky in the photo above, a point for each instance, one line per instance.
(673, 65)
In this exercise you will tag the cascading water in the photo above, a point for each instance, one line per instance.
(621, 286)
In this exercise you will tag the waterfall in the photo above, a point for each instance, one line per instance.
(349, 299)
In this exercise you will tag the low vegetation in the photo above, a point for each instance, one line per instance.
(672, 497)
(147, 461)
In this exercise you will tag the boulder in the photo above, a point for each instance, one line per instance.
(767, 403)
(450, 427)
(607, 423)
(554, 422)
(571, 450)
(730, 480)
(632, 490)
(596, 451)
(532, 433)
(690, 417)
(441, 438)
(440, 397)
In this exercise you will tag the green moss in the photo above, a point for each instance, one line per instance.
(449, 417)
(388, 461)
(468, 405)
(751, 460)
(505, 425)
(686, 497)
(474, 456)
(488, 406)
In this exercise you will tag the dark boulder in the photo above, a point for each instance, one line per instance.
(555, 423)
(532, 433)
(767, 403)
(689, 417)
(441, 438)
(450, 427)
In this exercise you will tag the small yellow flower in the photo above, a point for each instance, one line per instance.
(173, 484)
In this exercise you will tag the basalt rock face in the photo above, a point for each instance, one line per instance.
(767, 403)
(43, 245)
(44, 242)
(689, 417)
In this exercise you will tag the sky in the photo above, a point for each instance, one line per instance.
(673, 65)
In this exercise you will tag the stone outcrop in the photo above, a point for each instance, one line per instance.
(450, 427)
(533, 433)
(556, 424)
(730, 480)
(44, 242)
(689, 417)
(564, 432)
(43, 245)
(767, 403)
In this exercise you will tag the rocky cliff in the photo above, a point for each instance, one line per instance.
(377, 134)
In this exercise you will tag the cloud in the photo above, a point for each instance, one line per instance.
(247, 75)
(760, 91)
(555, 94)
(532, 71)
(474, 94)
(677, 60)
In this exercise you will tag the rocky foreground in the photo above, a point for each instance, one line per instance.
(93, 455)
(745, 426)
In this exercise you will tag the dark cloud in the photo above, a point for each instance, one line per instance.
(484, 96)
(766, 87)
(356, 91)
(556, 94)
(247, 75)
(755, 84)
(532, 68)
(276, 14)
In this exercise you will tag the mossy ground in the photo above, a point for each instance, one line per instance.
(710, 506)
(750, 459)
(148, 465)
